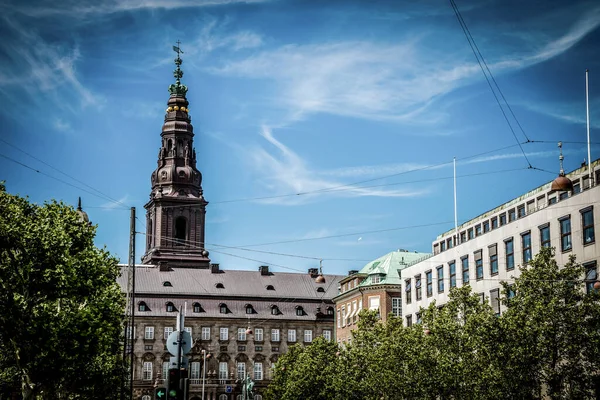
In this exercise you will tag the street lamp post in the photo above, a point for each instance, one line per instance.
(203, 371)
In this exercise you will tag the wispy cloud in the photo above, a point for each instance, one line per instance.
(111, 205)
(83, 8)
(286, 172)
(573, 113)
(62, 125)
(397, 82)
(44, 69)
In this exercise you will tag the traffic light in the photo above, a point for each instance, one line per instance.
(173, 392)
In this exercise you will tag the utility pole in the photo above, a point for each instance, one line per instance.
(130, 310)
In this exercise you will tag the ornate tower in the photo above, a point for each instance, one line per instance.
(175, 214)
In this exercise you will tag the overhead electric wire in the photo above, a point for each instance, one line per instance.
(480, 60)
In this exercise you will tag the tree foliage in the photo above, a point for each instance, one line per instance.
(546, 344)
(60, 306)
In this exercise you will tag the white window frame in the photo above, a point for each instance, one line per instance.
(327, 334)
(195, 370)
(165, 370)
(275, 336)
(168, 331)
(258, 334)
(397, 306)
(223, 333)
(223, 373)
(147, 371)
(291, 335)
(308, 335)
(374, 303)
(206, 333)
(188, 329)
(258, 371)
(241, 370)
(241, 334)
(149, 332)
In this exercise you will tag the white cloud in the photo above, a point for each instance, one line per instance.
(120, 203)
(83, 8)
(400, 82)
(62, 125)
(286, 172)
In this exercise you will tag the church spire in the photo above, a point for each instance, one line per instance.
(176, 210)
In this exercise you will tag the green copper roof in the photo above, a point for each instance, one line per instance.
(386, 268)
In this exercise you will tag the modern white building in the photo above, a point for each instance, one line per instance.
(489, 248)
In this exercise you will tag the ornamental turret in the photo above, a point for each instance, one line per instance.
(175, 214)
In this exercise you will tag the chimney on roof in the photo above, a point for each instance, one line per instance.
(214, 268)
(352, 272)
(313, 272)
(264, 270)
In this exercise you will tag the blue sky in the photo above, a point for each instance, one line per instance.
(292, 97)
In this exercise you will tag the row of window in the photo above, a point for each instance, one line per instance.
(348, 313)
(241, 334)
(565, 237)
(195, 368)
(223, 309)
(506, 217)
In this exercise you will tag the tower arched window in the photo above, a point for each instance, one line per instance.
(180, 231)
(149, 235)
(170, 146)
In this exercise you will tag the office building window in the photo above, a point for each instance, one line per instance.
(563, 196)
(465, 270)
(258, 335)
(442, 246)
(576, 188)
(275, 335)
(521, 211)
(587, 222)
(206, 333)
(418, 287)
(147, 371)
(440, 279)
(419, 319)
(470, 233)
(327, 334)
(526, 246)
(565, 233)
(494, 222)
(223, 374)
(409, 320)
(486, 226)
(478, 265)
(493, 250)
(477, 230)
(510, 254)
(408, 291)
(512, 215)
(397, 306)
(241, 336)
(495, 300)
(545, 235)
(591, 276)
(452, 268)
(502, 219)
(258, 371)
(429, 279)
(149, 332)
(307, 336)
(463, 237)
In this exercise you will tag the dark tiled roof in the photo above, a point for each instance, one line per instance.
(237, 283)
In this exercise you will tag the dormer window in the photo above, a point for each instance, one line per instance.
(330, 311)
(270, 287)
(320, 290)
(249, 309)
(220, 286)
(142, 306)
(197, 308)
(376, 278)
(299, 311)
(275, 310)
(167, 283)
(223, 308)
(171, 307)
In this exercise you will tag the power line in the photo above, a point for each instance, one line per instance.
(480, 60)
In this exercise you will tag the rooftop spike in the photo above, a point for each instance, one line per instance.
(561, 183)
(177, 88)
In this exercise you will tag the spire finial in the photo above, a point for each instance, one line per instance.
(79, 204)
(177, 88)
(561, 158)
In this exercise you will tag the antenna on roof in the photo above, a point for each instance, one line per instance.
(587, 111)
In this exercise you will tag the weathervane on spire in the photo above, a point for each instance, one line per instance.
(177, 88)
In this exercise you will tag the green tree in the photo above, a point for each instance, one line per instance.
(60, 306)
(553, 327)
